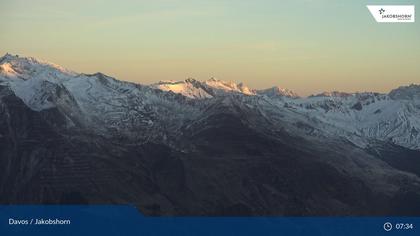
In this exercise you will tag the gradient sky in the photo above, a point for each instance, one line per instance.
(307, 46)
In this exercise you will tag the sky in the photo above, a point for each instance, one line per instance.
(308, 46)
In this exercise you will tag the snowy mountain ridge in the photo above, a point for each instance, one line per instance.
(166, 109)
(212, 87)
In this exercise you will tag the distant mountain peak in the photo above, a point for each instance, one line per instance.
(277, 91)
(7, 69)
(409, 92)
(229, 86)
(8, 57)
(332, 94)
(26, 67)
(189, 88)
(213, 86)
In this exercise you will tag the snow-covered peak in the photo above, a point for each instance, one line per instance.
(278, 92)
(332, 94)
(411, 92)
(196, 89)
(8, 57)
(190, 88)
(29, 67)
(229, 86)
(214, 87)
(6, 69)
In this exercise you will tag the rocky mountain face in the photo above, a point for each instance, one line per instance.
(204, 148)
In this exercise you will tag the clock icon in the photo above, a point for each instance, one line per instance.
(387, 226)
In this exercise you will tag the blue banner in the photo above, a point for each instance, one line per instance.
(127, 220)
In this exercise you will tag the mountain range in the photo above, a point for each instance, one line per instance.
(204, 147)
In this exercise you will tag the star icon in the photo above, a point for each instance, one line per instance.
(381, 11)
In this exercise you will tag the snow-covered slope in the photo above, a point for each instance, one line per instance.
(163, 110)
(220, 87)
(214, 87)
(189, 88)
(96, 101)
(207, 89)
(364, 115)
(278, 92)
